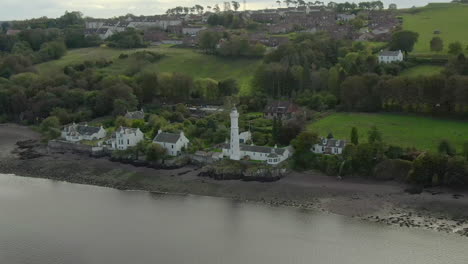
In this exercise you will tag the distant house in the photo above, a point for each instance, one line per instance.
(390, 56)
(192, 30)
(126, 137)
(283, 110)
(345, 17)
(76, 133)
(329, 146)
(174, 143)
(13, 32)
(135, 115)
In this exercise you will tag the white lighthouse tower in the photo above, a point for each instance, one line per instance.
(234, 150)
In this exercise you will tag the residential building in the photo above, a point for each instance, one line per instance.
(329, 146)
(77, 132)
(174, 143)
(284, 110)
(390, 56)
(126, 137)
(192, 30)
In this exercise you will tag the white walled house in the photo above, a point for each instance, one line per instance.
(174, 143)
(76, 133)
(390, 56)
(329, 146)
(125, 138)
(192, 30)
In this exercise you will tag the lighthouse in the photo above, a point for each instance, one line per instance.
(234, 150)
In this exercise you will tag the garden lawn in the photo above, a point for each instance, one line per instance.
(423, 70)
(424, 133)
(451, 19)
(188, 61)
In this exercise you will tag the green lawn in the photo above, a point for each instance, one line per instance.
(450, 19)
(422, 70)
(424, 133)
(186, 61)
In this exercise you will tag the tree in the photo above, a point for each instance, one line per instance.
(446, 148)
(228, 87)
(437, 44)
(50, 127)
(155, 152)
(305, 141)
(374, 135)
(392, 6)
(465, 151)
(52, 50)
(354, 136)
(404, 40)
(235, 5)
(455, 48)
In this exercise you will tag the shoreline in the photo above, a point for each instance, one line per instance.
(383, 202)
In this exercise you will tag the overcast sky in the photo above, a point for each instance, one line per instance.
(21, 9)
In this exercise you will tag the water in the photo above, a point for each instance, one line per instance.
(43, 221)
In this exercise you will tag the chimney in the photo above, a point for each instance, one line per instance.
(159, 131)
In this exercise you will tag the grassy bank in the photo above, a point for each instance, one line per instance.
(422, 70)
(188, 61)
(424, 133)
(450, 19)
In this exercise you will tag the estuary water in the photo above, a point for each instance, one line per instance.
(49, 222)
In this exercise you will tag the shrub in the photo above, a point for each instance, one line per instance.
(392, 169)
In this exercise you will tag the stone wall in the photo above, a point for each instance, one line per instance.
(65, 146)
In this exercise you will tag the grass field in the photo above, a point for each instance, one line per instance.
(186, 61)
(450, 19)
(406, 131)
(422, 70)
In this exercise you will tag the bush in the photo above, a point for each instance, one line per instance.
(392, 169)
(428, 169)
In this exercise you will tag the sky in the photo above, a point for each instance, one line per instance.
(23, 9)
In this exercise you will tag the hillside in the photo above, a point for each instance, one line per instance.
(407, 131)
(450, 19)
(187, 61)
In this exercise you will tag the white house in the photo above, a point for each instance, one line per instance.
(390, 56)
(192, 30)
(126, 137)
(237, 151)
(76, 133)
(174, 143)
(329, 146)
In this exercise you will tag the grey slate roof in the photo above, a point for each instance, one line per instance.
(87, 130)
(389, 53)
(333, 143)
(82, 129)
(167, 137)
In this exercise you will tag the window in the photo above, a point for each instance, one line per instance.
(128, 141)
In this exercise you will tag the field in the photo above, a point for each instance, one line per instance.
(450, 19)
(186, 61)
(422, 70)
(424, 133)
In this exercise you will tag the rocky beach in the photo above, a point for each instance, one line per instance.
(444, 210)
